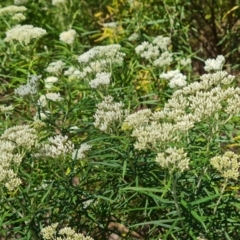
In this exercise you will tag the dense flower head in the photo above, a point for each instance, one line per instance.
(11, 141)
(208, 81)
(55, 67)
(74, 74)
(156, 51)
(6, 109)
(18, 17)
(173, 159)
(109, 114)
(98, 60)
(185, 61)
(57, 146)
(65, 233)
(68, 36)
(110, 53)
(41, 115)
(133, 37)
(49, 232)
(233, 103)
(147, 50)
(37, 124)
(55, 97)
(165, 59)
(30, 88)
(49, 81)
(176, 78)
(102, 79)
(11, 10)
(57, 2)
(136, 119)
(20, 2)
(24, 34)
(193, 103)
(228, 164)
(80, 153)
(162, 42)
(154, 134)
(214, 64)
(23, 136)
(110, 25)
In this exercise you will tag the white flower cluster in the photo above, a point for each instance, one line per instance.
(133, 37)
(101, 58)
(57, 2)
(66, 233)
(23, 136)
(74, 74)
(185, 61)
(214, 64)
(136, 119)
(87, 203)
(159, 128)
(24, 34)
(205, 104)
(38, 124)
(228, 164)
(11, 10)
(49, 81)
(147, 50)
(110, 25)
(157, 51)
(102, 79)
(55, 97)
(176, 78)
(164, 60)
(6, 109)
(154, 135)
(20, 2)
(204, 99)
(98, 60)
(162, 42)
(42, 115)
(173, 159)
(9, 159)
(30, 88)
(58, 146)
(110, 53)
(193, 103)
(13, 138)
(233, 103)
(109, 115)
(81, 152)
(208, 81)
(55, 67)
(68, 36)
(18, 17)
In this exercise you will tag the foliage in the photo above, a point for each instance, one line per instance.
(133, 158)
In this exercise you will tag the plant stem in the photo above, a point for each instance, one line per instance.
(221, 195)
(204, 170)
(174, 192)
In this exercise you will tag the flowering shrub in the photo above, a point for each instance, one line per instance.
(117, 140)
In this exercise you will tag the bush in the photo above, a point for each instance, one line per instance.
(112, 124)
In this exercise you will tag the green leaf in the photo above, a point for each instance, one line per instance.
(124, 168)
(205, 199)
(161, 222)
(142, 189)
(199, 218)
